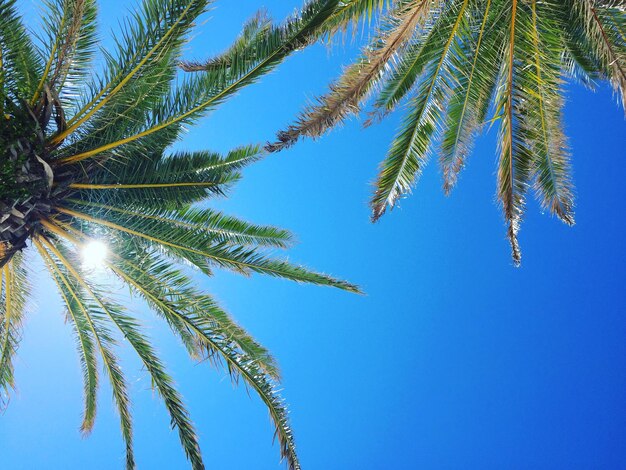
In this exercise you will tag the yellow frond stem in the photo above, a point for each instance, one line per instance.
(8, 307)
(133, 213)
(139, 186)
(240, 264)
(121, 228)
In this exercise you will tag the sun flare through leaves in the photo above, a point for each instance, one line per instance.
(94, 254)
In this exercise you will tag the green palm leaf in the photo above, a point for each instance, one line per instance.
(14, 291)
(408, 152)
(71, 36)
(20, 64)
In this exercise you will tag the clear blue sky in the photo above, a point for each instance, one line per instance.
(453, 360)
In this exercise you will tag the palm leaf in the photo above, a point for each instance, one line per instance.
(73, 292)
(14, 287)
(20, 61)
(408, 152)
(470, 100)
(70, 28)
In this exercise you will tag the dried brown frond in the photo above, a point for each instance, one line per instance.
(352, 89)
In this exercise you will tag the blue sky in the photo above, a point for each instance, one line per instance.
(453, 360)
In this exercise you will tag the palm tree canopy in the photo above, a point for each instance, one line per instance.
(462, 64)
(85, 158)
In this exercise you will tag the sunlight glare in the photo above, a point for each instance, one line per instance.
(94, 254)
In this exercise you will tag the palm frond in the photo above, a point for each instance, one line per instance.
(471, 98)
(157, 180)
(20, 61)
(186, 244)
(85, 342)
(70, 28)
(206, 330)
(408, 153)
(513, 172)
(352, 12)
(596, 35)
(219, 227)
(13, 288)
(218, 338)
(543, 117)
(252, 33)
(72, 289)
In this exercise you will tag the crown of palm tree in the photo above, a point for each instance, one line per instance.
(84, 158)
(461, 64)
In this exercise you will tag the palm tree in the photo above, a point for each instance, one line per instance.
(85, 159)
(462, 64)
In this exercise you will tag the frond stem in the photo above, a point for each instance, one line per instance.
(139, 186)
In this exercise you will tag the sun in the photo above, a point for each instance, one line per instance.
(94, 254)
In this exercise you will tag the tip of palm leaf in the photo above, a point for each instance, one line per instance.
(357, 290)
(567, 217)
(376, 117)
(274, 147)
(516, 252)
(284, 140)
(449, 181)
(378, 210)
(86, 428)
(344, 285)
(189, 66)
(568, 220)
